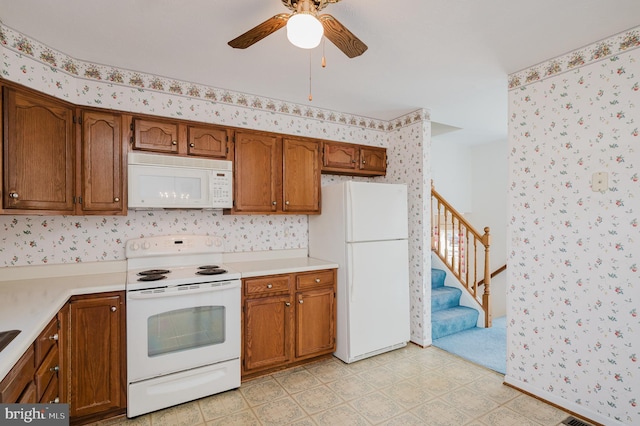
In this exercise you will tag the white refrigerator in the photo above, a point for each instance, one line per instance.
(364, 228)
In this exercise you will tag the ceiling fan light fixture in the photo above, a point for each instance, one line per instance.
(304, 30)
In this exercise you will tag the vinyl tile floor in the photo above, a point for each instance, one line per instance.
(409, 386)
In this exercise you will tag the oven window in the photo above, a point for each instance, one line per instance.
(185, 329)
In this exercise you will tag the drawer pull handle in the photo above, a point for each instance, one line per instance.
(56, 368)
(54, 337)
(317, 280)
(269, 285)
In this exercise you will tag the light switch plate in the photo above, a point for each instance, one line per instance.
(600, 182)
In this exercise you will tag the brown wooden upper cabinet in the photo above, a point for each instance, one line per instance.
(355, 160)
(276, 174)
(58, 159)
(181, 138)
(155, 135)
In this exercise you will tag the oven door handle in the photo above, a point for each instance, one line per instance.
(173, 291)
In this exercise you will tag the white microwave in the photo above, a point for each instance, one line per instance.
(168, 182)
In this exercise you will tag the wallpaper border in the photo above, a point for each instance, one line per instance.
(79, 69)
(611, 46)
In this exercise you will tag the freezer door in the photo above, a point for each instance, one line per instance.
(376, 211)
(378, 296)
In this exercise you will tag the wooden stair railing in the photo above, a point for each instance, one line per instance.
(463, 250)
(494, 273)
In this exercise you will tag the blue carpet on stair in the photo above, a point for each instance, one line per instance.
(483, 346)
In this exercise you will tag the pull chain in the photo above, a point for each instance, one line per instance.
(324, 61)
(310, 95)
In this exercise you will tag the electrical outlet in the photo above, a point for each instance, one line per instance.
(600, 182)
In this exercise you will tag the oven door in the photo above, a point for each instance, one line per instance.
(179, 328)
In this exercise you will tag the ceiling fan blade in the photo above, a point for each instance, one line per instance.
(339, 35)
(259, 32)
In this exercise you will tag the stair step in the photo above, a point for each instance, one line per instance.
(437, 277)
(452, 320)
(444, 298)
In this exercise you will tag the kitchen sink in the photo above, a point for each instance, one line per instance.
(6, 337)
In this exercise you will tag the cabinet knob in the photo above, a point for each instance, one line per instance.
(113, 309)
(286, 202)
(269, 285)
(287, 304)
(301, 301)
(174, 142)
(274, 203)
(56, 368)
(364, 162)
(117, 199)
(317, 280)
(13, 195)
(54, 337)
(55, 401)
(192, 145)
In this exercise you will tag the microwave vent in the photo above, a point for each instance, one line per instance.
(171, 161)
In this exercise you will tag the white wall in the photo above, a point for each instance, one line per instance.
(451, 172)
(473, 178)
(489, 208)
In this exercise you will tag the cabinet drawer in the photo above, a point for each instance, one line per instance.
(46, 340)
(18, 378)
(51, 395)
(266, 285)
(29, 395)
(314, 279)
(47, 370)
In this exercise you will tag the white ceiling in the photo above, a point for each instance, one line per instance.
(451, 57)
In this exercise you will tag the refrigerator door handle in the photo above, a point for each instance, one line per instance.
(350, 212)
(352, 276)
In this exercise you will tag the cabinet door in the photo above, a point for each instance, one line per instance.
(257, 161)
(301, 176)
(38, 153)
(95, 342)
(158, 136)
(267, 338)
(207, 141)
(102, 182)
(315, 322)
(340, 156)
(373, 159)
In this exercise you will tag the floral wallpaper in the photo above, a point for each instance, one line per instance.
(572, 283)
(38, 240)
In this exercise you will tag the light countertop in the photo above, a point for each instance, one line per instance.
(31, 296)
(257, 268)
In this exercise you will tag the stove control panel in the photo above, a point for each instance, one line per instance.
(173, 244)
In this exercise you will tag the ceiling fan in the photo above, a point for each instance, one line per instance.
(337, 33)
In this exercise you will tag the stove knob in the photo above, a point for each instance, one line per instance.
(218, 242)
(146, 245)
(208, 242)
(134, 246)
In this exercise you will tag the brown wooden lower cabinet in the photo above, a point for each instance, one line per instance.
(96, 348)
(35, 377)
(287, 320)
